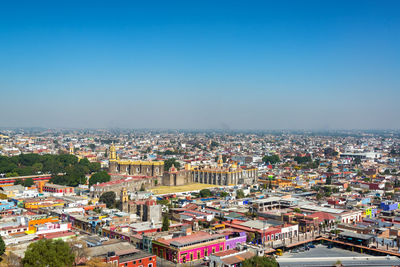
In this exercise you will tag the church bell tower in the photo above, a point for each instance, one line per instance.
(124, 200)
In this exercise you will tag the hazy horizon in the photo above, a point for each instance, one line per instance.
(287, 65)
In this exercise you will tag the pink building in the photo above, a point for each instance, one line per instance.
(47, 228)
(190, 247)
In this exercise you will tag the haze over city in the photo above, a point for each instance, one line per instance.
(199, 133)
(204, 64)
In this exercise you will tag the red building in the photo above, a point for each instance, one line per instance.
(263, 232)
(136, 258)
(55, 188)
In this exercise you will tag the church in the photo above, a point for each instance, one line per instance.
(222, 174)
(134, 167)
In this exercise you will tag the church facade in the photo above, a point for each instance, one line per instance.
(221, 174)
(224, 174)
(134, 167)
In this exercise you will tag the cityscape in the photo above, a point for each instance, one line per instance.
(211, 133)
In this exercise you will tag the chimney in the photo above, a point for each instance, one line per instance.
(188, 231)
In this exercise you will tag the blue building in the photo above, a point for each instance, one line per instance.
(389, 205)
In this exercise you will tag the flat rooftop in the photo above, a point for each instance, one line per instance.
(192, 239)
(321, 256)
(324, 209)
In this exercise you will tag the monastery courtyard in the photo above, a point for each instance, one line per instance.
(161, 190)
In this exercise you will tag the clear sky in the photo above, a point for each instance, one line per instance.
(200, 64)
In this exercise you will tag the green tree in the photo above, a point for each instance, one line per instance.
(330, 170)
(92, 147)
(224, 194)
(329, 180)
(214, 144)
(163, 202)
(28, 182)
(94, 166)
(297, 210)
(250, 237)
(84, 162)
(301, 160)
(2, 246)
(99, 177)
(335, 190)
(12, 174)
(108, 198)
(169, 162)
(24, 182)
(239, 193)
(257, 261)
(273, 159)
(205, 193)
(48, 252)
(37, 167)
(348, 189)
(165, 224)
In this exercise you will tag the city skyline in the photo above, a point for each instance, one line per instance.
(227, 65)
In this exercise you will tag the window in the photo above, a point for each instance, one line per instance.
(213, 250)
(198, 254)
(150, 265)
(140, 261)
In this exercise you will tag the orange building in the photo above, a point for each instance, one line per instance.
(32, 223)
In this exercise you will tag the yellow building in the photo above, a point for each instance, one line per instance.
(34, 203)
(134, 167)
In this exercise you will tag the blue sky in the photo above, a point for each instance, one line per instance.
(200, 64)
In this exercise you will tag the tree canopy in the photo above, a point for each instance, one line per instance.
(47, 252)
(239, 193)
(65, 169)
(108, 198)
(260, 262)
(169, 162)
(2, 246)
(25, 182)
(205, 193)
(328, 180)
(165, 224)
(99, 177)
(272, 159)
(224, 194)
(301, 160)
